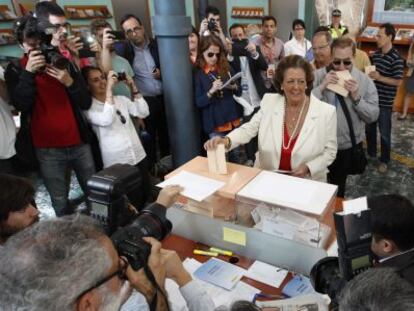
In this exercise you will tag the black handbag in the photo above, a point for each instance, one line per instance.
(358, 160)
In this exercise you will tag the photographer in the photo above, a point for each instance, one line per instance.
(392, 219)
(68, 45)
(97, 274)
(110, 118)
(53, 98)
(211, 24)
(17, 207)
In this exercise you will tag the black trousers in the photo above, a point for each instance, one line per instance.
(338, 170)
(156, 126)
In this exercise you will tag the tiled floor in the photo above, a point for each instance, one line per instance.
(398, 179)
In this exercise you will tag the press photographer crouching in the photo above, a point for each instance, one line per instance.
(390, 222)
(69, 263)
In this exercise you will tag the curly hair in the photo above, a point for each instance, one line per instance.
(294, 61)
(205, 43)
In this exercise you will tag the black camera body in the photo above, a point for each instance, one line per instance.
(51, 53)
(121, 76)
(109, 193)
(212, 25)
(353, 233)
(239, 47)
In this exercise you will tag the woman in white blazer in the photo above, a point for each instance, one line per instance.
(296, 131)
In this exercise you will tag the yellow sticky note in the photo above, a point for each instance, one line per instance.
(234, 236)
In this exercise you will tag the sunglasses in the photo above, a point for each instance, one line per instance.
(121, 117)
(337, 62)
(211, 54)
(121, 273)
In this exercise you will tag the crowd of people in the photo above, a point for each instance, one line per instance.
(282, 114)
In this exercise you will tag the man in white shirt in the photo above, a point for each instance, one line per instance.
(7, 131)
(298, 45)
(251, 64)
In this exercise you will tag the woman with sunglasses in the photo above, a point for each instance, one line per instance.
(220, 113)
(296, 131)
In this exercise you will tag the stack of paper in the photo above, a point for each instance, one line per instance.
(219, 295)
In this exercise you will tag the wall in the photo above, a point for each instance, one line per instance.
(14, 50)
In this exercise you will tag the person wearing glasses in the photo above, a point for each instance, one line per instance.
(67, 44)
(296, 131)
(142, 54)
(220, 112)
(361, 102)
(70, 264)
(321, 47)
(298, 45)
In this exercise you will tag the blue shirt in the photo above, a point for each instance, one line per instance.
(143, 67)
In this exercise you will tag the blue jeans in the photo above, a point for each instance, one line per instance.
(384, 123)
(54, 163)
(234, 155)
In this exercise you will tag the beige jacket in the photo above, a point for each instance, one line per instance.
(316, 144)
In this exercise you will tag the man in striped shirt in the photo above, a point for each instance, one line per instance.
(388, 74)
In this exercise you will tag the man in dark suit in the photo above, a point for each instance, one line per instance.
(251, 63)
(393, 232)
(142, 54)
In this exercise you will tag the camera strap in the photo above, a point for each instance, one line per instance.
(151, 278)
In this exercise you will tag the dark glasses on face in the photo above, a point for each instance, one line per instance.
(121, 117)
(211, 54)
(346, 62)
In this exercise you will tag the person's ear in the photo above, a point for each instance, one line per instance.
(87, 302)
(388, 246)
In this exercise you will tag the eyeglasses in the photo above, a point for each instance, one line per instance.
(121, 117)
(133, 30)
(64, 25)
(319, 48)
(211, 54)
(346, 62)
(121, 273)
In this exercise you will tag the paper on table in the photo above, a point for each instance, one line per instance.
(220, 296)
(339, 87)
(220, 273)
(355, 206)
(196, 187)
(233, 78)
(266, 273)
(217, 160)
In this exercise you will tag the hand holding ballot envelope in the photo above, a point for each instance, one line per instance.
(342, 83)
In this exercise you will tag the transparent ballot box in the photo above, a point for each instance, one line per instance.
(286, 221)
(288, 207)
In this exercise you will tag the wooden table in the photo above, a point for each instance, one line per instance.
(184, 248)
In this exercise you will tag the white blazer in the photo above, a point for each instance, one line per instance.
(315, 146)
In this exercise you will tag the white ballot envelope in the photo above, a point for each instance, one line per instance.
(217, 160)
(339, 88)
(369, 69)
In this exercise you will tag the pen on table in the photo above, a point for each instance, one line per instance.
(221, 251)
(205, 253)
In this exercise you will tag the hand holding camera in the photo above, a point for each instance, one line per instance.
(62, 75)
(108, 39)
(74, 44)
(36, 61)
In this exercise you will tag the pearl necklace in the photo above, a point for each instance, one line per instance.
(295, 128)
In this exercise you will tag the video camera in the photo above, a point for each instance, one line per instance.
(45, 31)
(353, 233)
(109, 193)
